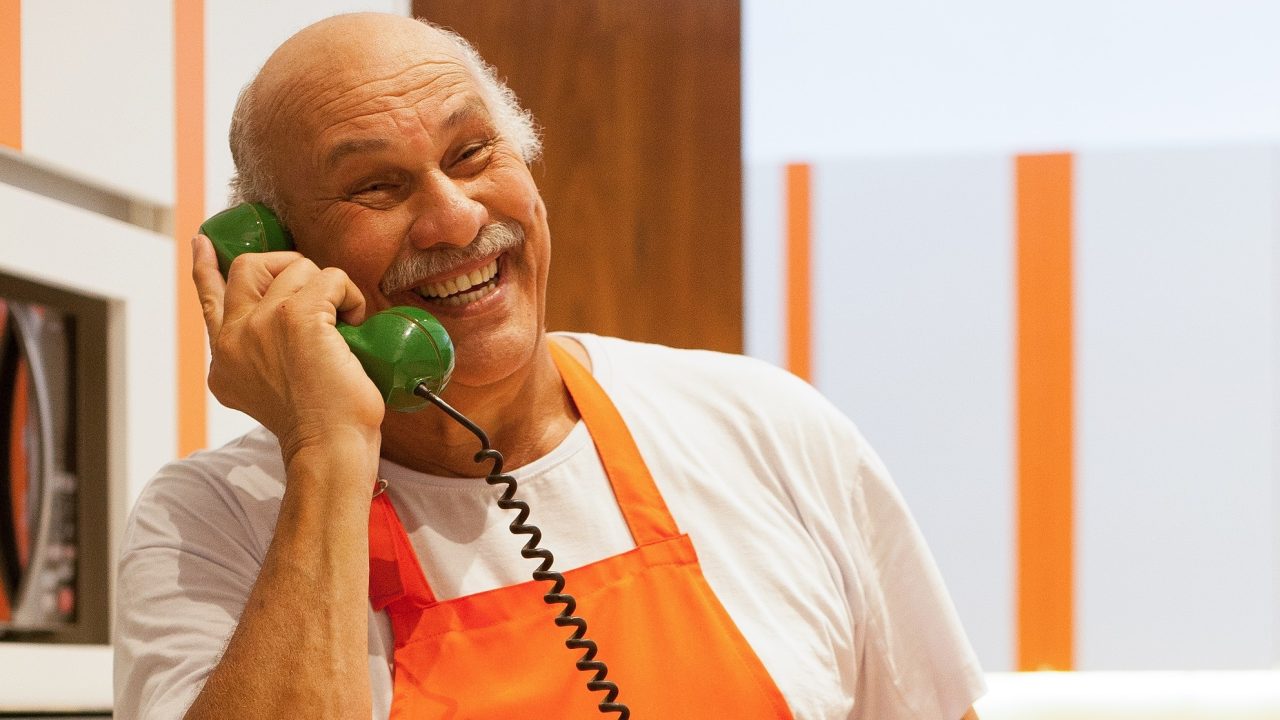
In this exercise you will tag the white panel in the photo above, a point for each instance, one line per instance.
(62, 245)
(1174, 386)
(913, 339)
(763, 256)
(55, 678)
(1275, 409)
(234, 50)
(1239, 695)
(97, 92)
(832, 78)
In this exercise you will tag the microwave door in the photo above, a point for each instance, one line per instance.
(33, 605)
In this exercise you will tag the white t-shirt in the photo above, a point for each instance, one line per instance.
(799, 530)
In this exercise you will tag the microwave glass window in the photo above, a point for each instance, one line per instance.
(37, 481)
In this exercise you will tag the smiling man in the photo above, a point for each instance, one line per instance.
(735, 547)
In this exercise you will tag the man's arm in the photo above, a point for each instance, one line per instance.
(302, 638)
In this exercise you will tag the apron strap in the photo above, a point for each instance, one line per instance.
(633, 486)
(394, 573)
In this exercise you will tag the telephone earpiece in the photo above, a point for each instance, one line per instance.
(399, 348)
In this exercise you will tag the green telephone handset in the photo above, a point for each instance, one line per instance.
(399, 348)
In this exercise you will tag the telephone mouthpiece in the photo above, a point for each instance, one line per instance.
(401, 348)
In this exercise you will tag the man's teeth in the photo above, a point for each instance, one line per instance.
(453, 291)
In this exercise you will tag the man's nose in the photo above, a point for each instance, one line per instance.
(446, 214)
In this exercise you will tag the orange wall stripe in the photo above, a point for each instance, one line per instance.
(11, 73)
(1045, 464)
(188, 20)
(798, 313)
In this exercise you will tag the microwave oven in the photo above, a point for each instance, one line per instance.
(53, 501)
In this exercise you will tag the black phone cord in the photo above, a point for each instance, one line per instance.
(519, 526)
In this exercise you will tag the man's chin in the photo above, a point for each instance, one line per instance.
(487, 359)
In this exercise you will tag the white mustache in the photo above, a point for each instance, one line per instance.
(492, 239)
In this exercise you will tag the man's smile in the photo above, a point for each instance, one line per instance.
(462, 289)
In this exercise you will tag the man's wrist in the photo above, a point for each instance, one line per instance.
(343, 457)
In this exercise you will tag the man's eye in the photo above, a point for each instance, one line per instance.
(472, 152)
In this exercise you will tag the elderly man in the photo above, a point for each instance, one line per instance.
(256, 579)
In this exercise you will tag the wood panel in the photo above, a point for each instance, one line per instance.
(642, 173)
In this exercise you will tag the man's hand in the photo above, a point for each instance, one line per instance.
(301, 643)
(276, 353)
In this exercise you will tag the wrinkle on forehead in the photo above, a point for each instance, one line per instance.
(314, 106)
(350, 67)
(403, 90)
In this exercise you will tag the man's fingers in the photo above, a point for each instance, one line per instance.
(328, 290)
(351, 305)
(334, 287)
(250, 277)
(271, 278)
(209, 285)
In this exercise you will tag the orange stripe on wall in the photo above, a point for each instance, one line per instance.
(11, 73)
(799, 293)
(1044, 413)
(188, 21)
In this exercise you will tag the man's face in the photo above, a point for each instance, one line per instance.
(394, 171)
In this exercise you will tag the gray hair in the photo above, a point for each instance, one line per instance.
(253, 181)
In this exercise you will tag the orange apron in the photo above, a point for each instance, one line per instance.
(670, 646)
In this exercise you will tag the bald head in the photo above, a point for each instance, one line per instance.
(357, 49)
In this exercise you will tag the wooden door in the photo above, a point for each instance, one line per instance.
(639, 101)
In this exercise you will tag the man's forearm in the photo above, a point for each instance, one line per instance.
(302, 639)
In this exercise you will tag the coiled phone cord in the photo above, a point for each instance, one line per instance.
(518, 526)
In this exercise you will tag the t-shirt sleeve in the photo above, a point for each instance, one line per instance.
(915, 660)
(188, 563)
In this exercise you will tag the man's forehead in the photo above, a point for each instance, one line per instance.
(350, 56)
(437, 91)
(469, 108)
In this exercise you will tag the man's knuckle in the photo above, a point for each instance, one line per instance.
(335, 274)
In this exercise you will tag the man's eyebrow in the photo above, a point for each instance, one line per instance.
(351, 147)
(473, 107)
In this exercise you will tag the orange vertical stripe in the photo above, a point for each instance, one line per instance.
(799, 291)
(11, 73)
(188, 20)
(1045, 413)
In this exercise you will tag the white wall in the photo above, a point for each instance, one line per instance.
(835, 78)
(1175, 370)
(97, 93)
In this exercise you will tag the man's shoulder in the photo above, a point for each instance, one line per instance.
(241, 480)
(255, 450)
(710, 380)
(642, 360)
